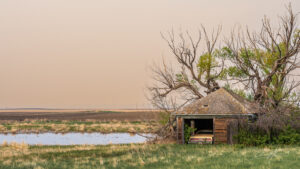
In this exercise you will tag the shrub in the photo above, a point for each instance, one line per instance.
(252, 138)
(288, 136)
(188, 131)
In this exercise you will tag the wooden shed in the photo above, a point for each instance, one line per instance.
(213, 113)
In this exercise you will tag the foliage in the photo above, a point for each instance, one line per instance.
(188, 131)
(164, 117)
(252, 138)
(251, 135)
(288, 136)
(264, 62)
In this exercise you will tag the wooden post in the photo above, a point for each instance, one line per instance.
(179, 130)
(229, 133)
(232, 130)
(193, 126)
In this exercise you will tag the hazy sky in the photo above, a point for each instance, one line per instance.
(95, 53)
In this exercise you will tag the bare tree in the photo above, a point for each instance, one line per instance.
(198, 72)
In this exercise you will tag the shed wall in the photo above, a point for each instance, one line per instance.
(220, 130)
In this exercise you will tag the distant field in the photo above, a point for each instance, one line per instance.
(149, 156)
(80, 115)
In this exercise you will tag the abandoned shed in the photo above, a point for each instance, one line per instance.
(212, 115)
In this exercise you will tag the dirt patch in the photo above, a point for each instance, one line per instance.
(81, 115)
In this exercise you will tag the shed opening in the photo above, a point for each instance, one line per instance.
(202, 126)
(203, 133)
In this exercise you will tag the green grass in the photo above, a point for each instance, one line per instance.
(149, 156)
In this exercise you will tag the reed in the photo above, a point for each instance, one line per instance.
(41, 126)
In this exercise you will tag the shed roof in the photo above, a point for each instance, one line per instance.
(220, 102)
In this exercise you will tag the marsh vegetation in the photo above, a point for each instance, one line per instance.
(42, 126)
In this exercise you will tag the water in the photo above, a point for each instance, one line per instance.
(74, 138)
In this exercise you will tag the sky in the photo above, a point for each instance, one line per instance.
(97, 53)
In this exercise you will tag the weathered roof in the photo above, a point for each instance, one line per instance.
(220, 102)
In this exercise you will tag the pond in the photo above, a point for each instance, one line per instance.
(75, 138)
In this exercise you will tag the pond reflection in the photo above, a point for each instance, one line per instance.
(75, 138)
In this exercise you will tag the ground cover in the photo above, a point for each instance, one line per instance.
(148, 156)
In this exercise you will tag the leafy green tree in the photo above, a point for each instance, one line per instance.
(264, 62)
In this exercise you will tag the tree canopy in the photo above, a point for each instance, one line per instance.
(261, 63)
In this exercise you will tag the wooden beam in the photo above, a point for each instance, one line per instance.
(208, 116)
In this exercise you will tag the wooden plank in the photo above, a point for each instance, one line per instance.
(179, 130)
(220, 130)
(220, 123)
(220, 127)
(220, 134)
(222, 137)
(221, 119)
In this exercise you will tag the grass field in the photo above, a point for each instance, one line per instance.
(41, 126)
(148, 156)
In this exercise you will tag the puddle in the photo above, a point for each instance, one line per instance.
(75, 138)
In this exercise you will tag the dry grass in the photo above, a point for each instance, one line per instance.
(41, 126)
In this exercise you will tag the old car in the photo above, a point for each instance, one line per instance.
(201, 138)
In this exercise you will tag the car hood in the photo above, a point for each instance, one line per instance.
(202, 136)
